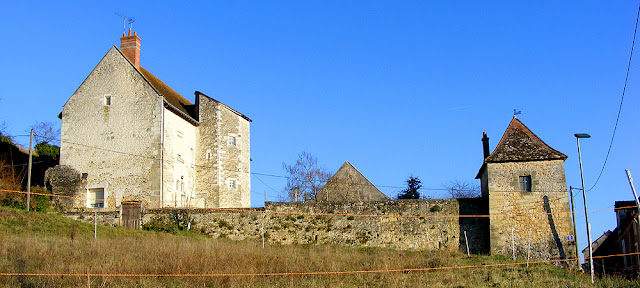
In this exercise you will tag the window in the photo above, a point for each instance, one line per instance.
(525, 183)
(208, 154)
(232, 141)
(232, 184)
(95, 198)
(107, 100)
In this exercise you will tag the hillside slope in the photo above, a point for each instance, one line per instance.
(64, 253)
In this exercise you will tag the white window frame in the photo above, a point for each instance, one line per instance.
(232, 184)
(92, 200)
(232, 140)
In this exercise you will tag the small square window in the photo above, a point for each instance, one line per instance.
(232, 184)
(95, 198)
(107, 100)
(525, 183)
(232, 140)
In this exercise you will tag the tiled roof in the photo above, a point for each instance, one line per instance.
(176, 102)
(171, 96)
(520, 144)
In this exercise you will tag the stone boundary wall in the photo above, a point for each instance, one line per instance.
(283, 226)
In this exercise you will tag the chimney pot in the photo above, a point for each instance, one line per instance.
(130, 47)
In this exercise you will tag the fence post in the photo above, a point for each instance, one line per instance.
(529, 249)
(513, 246)
(466, 241)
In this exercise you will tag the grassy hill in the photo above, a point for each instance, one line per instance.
(39, 243)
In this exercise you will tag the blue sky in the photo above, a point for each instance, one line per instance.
(396, 88)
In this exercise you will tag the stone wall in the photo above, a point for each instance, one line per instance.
(360, 224)
(541, 216)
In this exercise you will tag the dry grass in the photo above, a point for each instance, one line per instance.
(41, 243)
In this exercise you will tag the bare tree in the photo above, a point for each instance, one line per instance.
(46, 132)
(463, 189)
(305, 179)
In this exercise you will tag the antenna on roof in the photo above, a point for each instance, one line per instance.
(124, 22)
(515, 112)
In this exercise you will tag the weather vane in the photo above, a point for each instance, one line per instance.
(516, 112)
(124, 22)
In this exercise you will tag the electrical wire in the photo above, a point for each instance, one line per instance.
(624, 89)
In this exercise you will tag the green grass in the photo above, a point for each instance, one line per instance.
(46, 243)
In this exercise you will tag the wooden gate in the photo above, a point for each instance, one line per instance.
(131, 215)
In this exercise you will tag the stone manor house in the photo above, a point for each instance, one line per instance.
(127, 136)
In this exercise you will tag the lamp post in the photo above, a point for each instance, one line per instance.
(584, 197)
(575, 231)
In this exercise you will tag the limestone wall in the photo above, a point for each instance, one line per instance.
(224, 151)
(442, 229)
(99, 138)
(179, 162)
(541, 216)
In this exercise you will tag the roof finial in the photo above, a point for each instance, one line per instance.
(516, 112)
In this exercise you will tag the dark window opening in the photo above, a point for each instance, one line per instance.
(525, 183)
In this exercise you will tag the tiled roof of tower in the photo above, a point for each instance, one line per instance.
(520, 144)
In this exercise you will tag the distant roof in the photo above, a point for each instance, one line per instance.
(595, 244)
(626, 204)
(349, 185)
(520, 144)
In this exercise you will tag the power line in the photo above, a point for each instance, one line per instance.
(624, 89)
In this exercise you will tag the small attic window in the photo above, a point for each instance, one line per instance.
(525, 183)
(232, 141)
(107, 100)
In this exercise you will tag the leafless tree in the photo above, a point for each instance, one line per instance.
(463, 189)
(305, 178)
(47, 132)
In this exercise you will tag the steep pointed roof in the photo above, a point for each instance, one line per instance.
(178, 104)
(348, 184)
(520, 144)
(170, 95)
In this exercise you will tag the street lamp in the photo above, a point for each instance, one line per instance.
(584, 197)
(575, 231)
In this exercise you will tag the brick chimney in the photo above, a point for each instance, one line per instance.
(485, 145)
(130, 47)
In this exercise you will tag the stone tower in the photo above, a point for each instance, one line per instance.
(524, 183)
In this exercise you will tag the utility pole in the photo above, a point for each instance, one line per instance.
(635, 197)
(264, 215)
(29, 172)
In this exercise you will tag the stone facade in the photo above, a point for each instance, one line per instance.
(524, 183)
(541, 215)
(132, 138)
